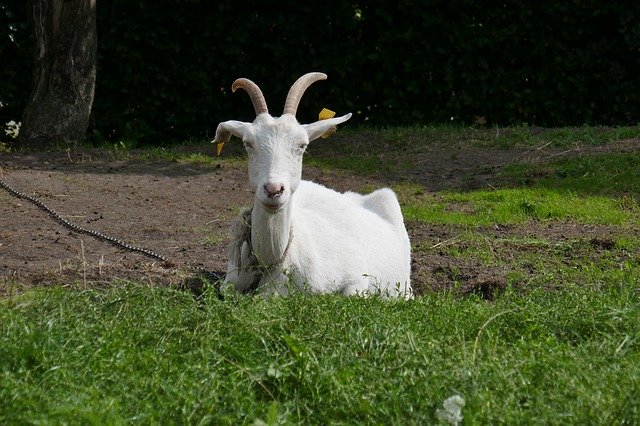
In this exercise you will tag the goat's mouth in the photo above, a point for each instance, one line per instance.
(272, 206)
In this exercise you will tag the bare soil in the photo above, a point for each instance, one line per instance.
(183, 210)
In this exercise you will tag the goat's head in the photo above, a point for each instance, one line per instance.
(275, 145)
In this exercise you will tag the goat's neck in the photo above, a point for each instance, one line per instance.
(270, 233)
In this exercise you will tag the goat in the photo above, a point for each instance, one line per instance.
(300, 233)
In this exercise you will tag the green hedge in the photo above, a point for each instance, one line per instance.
(165, 67)
(15, 61)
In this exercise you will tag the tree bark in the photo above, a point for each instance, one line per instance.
(64, 72)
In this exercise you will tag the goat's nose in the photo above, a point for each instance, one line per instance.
(273, 189)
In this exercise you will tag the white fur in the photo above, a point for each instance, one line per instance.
(341, 243)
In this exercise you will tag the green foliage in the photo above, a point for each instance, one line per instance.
(15, 61)
(165, 67)
(139, 354)
(169, 74)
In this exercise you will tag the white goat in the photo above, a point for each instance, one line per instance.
(302, 233)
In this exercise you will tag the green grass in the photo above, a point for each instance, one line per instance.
(516, 206)
(370, 151)
(561, 345)
(617, 174)
(176, 155)
(543, 262)
(507, 137)
(204, 155)
(133, 354)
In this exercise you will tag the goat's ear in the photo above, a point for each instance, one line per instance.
(317, 129)
(228, 128)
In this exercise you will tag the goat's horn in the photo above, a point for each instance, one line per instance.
(257, 98)
(297, 90)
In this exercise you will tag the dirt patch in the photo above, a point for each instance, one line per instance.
(179, 210)
(183, 211)
(436, 269)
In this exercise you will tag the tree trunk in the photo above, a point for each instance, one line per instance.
(64, 72)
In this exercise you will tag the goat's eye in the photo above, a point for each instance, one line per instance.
(248, 144)
(302, 146)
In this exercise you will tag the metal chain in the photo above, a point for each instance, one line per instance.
(56, 216)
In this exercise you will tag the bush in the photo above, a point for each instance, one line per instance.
(165, 67)
(15, 62)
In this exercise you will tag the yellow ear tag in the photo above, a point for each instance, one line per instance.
(324, 115)
(219, 146)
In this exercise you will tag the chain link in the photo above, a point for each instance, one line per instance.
(56, 216)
